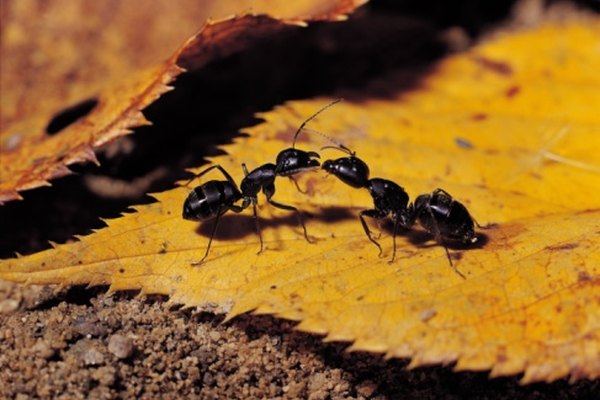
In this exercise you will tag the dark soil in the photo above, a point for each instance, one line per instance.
(85, 343)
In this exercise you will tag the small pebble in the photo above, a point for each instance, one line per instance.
(43, 349)
(105, 375)
(93, 357)
(427, 314)
(366, 388)
(89, 327)
(85, 351)
(318, 381)
(121, 346)
(8, 306)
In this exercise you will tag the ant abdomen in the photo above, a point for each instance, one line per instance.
(209, 199)
(444, 217)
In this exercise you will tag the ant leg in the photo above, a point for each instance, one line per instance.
(212, 235)
(296, 184)
(394, 241)
(438, 237)
(217, 166)
(372, 214)
(258, 231)
(440, 190)
(234, 208)
(487, 226)
(269, 191)
(257, 227)
(450, 260)
(378, 222)
(298, 216)
(245, 169)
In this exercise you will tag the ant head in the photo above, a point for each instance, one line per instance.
(351, 170)
(292, 161)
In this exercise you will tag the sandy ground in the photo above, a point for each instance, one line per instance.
(85, 343)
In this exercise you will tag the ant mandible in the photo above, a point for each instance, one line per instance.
(389, 198)
(214, 198)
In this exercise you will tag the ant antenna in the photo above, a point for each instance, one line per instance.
(341, 148)
(338, 145)
(311, 118)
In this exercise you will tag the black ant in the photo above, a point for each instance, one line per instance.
(214, 198)
(439, 213)
(389, 198)
(445, 218)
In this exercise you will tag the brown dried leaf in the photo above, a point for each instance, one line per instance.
(80, 63)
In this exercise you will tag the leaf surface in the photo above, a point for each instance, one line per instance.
(509, 128)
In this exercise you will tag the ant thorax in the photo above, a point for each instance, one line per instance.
(257, 179)
(388, 196)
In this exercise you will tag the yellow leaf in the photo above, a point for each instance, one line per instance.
(510, 129)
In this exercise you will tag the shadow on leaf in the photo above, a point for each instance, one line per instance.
(237, 226)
